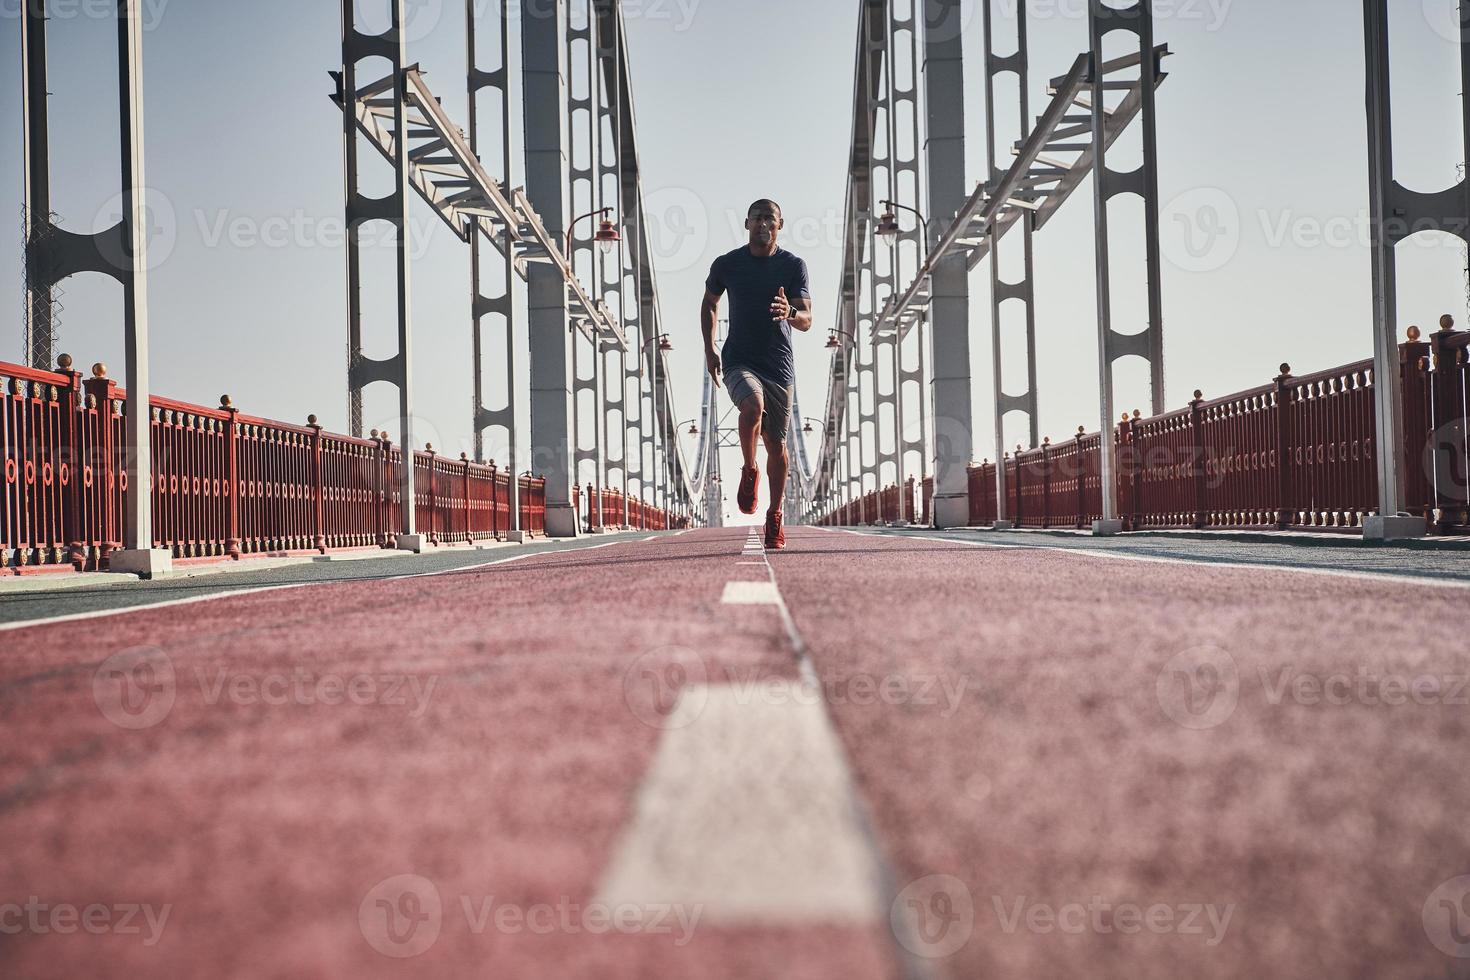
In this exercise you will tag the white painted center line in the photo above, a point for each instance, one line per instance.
(751, 594)
(747, 812)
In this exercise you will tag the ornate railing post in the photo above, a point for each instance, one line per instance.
(431, 495)
(1450, 491)
(101, 392)
(1079, 463)
(382, 480)
(1285, 450)
(1046, 462)
(232, 477)
(469, 509)
(69, 466)
(1126, 489)
(318, 488)
(1197, 460)
(1418, 491)
(494, 500)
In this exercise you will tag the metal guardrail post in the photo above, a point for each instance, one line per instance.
(318, 487)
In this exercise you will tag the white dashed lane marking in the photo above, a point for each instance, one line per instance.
(747, 811)
(751, 594)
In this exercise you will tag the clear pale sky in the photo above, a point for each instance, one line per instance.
(1262, 168)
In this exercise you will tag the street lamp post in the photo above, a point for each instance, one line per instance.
(664, 346)
(607, 232)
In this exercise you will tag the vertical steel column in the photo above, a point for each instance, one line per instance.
(397, 370)
(39, 327)
(1001, 291)
(887, 453)
(586, 176)
(138, 554)
(853, 401)
(501, 306)
(871, 95)
(1396, 214)
(950, 311)
(607, 109)
(1107, 184)
(552, 409)
(903, 91)
(53, 254)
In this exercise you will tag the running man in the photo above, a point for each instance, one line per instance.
(769, 294)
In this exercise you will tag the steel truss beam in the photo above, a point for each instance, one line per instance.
(53, 254)
(1050, 164)
(1396, 214)
(443, 168)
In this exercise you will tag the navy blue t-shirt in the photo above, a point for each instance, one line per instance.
(755, 340)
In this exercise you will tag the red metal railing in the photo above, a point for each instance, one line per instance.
(1296, 453)
(619, 510)
(224, 484)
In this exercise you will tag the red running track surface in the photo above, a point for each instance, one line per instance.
(1009, 714)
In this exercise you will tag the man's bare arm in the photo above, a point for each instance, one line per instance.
(801, 313)
(797, 311)
(709, 316)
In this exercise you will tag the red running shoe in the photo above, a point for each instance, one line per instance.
(775, 532)
(749, 477)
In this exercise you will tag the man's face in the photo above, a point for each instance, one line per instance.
(763, 224)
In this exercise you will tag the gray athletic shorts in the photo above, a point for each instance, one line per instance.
(741, 383)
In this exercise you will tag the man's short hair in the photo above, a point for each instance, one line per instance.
(762, 204)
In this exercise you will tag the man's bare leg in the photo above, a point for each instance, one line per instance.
(777, 464)
(750, 422)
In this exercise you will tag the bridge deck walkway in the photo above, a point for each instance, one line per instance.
(680, 755)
